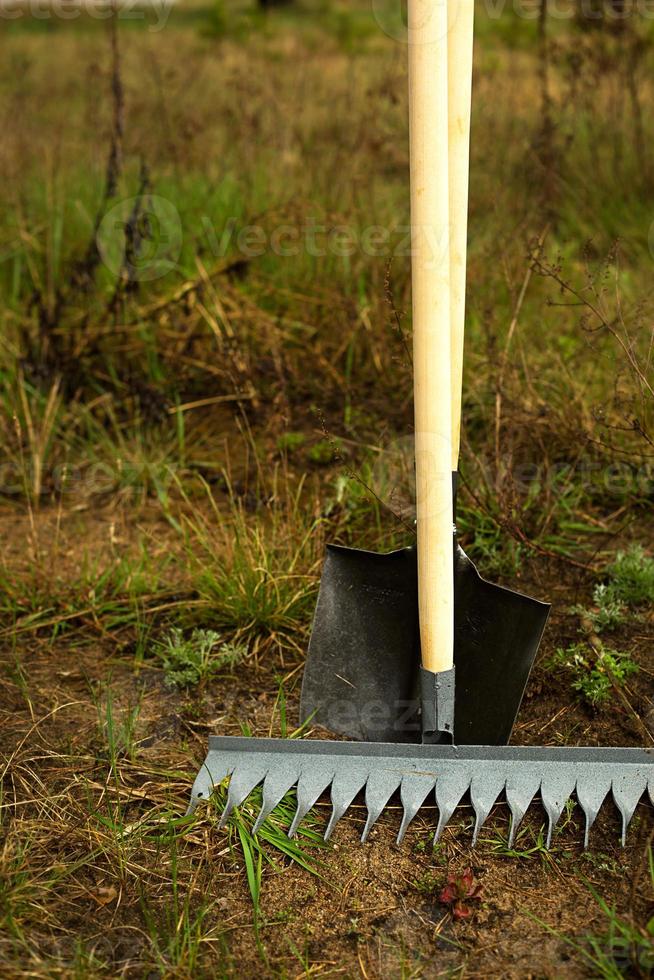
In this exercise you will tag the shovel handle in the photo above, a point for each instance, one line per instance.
(461, 15)
(428, 124)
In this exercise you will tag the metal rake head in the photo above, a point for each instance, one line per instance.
(442, 773)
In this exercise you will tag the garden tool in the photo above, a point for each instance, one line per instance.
(363, 664)
(433, 771)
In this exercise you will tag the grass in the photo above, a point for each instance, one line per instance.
(623, 948)
(259, 850)
(179, 448)
(264, 586)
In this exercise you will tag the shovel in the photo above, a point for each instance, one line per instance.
(362, 673)
(433, 771)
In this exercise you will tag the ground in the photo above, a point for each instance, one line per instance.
(189, 414)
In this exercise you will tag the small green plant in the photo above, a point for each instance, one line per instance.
(217, 25)
(322, 453)
(607, 611)
(529, 844)
(290, 442)
(180, 926)
(117, 728)
(630, 583)
(188, 660)
(427, 884)
(594, 673)
(632, 577)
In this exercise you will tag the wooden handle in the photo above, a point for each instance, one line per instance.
(461, 15)
(428, 115)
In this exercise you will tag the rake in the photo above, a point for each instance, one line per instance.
(436, 771)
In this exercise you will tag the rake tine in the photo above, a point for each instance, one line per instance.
(591, 794)
(414, 790)
(627, 794)
(484, 791)
(205, 783)
(521, 787)
(450, 787)
(241, 785)
(556, 789)
(275, 787)
(310, 786)
(344, 788)
(379, 789)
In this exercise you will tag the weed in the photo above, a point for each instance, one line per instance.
(607, 612)
(263, 585)
(118, 734)
(196, 657)
(427, 884)
(179, 928)
(631, 578)
(595, 674)
(630, 584)
(602, 862)
(522, 848)
(459, 892)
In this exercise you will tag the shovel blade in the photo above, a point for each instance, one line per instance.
(360, 676)
(362, 671)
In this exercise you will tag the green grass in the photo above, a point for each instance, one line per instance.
(631, 578)
(263, 584)
(623, 948)
(265, 850)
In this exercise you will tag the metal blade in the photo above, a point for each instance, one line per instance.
(345, 786)
(522, 784)
(361, 672)
(591, 793)
(417, 769)
(451, 783)
(556, 789)
(361, 678)
(483, 794)
(275, 787)
(206, 781)
(414, 792)
(311, 785)
(627, 792)
(380, 787)
(241, 785)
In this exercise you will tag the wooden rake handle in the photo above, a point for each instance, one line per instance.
(434, 27)
(461, 15)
